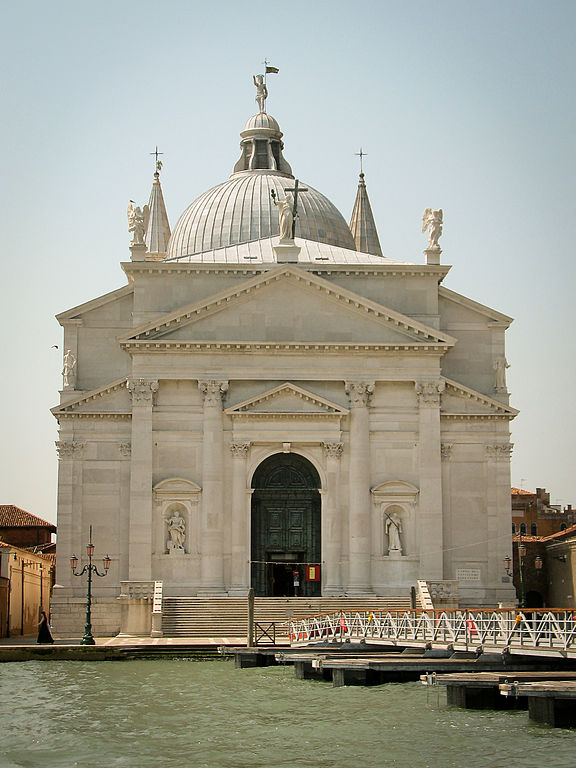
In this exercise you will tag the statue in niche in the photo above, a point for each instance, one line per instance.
(500, 366)
(261, 91)
(393, 529)
(285, 214)
(136, 223)
(176, 532)
(68, 369)
(432, 221)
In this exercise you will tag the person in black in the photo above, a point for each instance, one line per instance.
(44, 634)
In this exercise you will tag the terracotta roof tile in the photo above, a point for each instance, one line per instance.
(521, 492)
(560, 534)
(14, 517)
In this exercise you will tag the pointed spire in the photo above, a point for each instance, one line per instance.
(362, 223)
(157, 226)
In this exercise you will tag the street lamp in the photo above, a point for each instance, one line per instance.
(87, 639)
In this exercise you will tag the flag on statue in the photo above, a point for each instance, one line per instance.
(272, 70)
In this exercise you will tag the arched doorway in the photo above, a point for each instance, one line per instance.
(285, 527)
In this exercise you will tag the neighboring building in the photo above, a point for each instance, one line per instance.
(533, 515)
(26, 581)
(561, 568)
(246, 407)
(25, 530)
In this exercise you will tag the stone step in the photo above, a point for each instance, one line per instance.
(227, 617)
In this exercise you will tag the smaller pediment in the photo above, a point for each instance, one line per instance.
(176, 487)
(287, 399)
(461, 401)
(111, 399)
(396, 489)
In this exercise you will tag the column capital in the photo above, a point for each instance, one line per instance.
(240, 449)
(499, 451)
(359, 393)
(428, 393)
(333, 449)
(67, 448)
(213, 391)
(446, 450)
(143, 391)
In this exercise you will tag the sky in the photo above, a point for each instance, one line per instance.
(463, 106)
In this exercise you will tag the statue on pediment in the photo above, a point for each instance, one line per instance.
(285, 214)
(136, 223)
(432, 221)
(68, 371)
(500, 366)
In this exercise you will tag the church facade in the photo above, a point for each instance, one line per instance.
(284, 410)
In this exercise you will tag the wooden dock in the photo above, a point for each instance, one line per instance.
(552, 702)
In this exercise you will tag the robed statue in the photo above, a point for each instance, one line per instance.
(285, 214)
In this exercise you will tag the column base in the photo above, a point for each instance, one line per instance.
(360, 590)
(212, 592)
(238, 592)
(333, 592)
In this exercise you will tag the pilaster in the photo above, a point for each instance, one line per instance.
(332, 523)
(143, 393)
(431, 540)
(499, 529)
(359, 576)
(211, 526)
(240, 578)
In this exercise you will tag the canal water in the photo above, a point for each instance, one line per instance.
(173, 714)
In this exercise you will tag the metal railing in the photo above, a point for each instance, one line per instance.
(462, 629)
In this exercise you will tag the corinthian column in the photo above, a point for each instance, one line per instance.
(240, 527)
(140, 545)
(211, 529)
(359, 578)
(431, 538)
(331, 522)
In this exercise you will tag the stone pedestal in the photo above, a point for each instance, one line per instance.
(433, 255)
(138, 252)
(286, 251)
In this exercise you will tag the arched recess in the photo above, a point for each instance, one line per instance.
(285, 526)
(176, 497)
(395, 503)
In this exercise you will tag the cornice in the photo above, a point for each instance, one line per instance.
(498, 318)
(486, 400)
(476, 416)
(270, 415)
(179, 346)
(67, 416)
(100, 301)
(93, 394)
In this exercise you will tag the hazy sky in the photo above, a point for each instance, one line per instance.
(467, 106)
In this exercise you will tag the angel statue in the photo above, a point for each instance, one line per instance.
(261, 91)
(432, 221)
(136, 223)
(285, 214)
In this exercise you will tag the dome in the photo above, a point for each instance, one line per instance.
(241, 209)
(260, 121)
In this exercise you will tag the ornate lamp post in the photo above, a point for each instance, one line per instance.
(87, 639)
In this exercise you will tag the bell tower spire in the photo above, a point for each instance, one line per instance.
(157, 226)
(362, 223)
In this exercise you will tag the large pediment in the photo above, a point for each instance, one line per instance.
(460, 402)
(286, 305)
(287, 400)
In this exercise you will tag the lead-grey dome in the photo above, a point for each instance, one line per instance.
(241, 209)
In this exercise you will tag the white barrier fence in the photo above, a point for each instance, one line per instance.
(553, 631)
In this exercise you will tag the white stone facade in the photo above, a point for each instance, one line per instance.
(188, 379)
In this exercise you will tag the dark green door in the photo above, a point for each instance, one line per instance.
(285, 527)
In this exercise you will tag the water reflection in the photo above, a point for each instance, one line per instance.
(209, 715)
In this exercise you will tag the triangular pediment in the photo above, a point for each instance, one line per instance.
(458, 400)
(287, 399)
(287, 305)
(111, 399)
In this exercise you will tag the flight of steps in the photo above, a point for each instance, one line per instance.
(227, 617)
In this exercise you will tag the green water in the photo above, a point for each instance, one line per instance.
(210, 715)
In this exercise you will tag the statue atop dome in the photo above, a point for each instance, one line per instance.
(261, 91)
(286, 215)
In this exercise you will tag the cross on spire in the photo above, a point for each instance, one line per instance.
(158, 162)
(361, 155)
(296, 188)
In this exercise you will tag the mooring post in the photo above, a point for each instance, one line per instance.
(250, 632)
